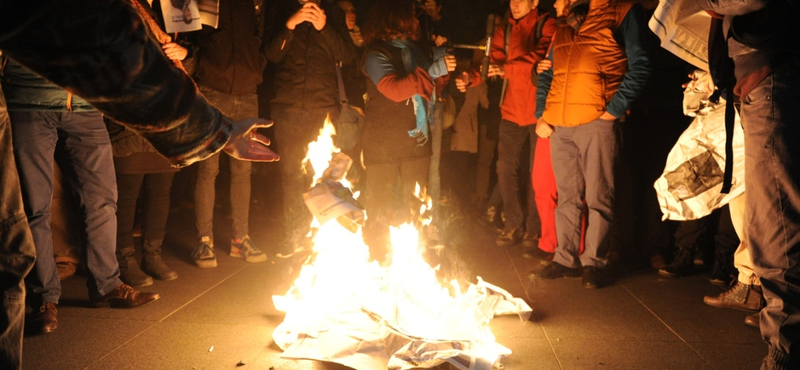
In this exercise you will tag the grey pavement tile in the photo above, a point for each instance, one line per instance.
(191, 283)
(732, 356)
(679, 303)
(79, 342)
(528, 354)
(568, 310)
(582, 354)
(190, 346)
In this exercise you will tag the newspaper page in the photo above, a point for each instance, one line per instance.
(209, 12)
(181, 16)
(683, 29)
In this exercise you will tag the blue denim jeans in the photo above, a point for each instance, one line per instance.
(87, 163)
(17, 253)
(771, 120)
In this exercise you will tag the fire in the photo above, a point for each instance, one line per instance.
(347, 309)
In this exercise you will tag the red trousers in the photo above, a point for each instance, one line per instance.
(546, 196)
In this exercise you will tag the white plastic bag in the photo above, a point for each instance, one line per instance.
(690, 186)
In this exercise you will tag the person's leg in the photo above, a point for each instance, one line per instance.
(412, 172)
(243, 107)
(598, 145)
(240, 196)
(17, 251)
(34, 137)
(512, 139)
(157, 187)
(204, 196)
(486, 151)
(533, 223)
(570, 184)
(772, 212)
(745, 294)
(128, 187)
(434, 177)
(293, 133)
(687, 236)
(741, 257)
(725, 244)
(546, 192)
(88, 147)
(379, 206)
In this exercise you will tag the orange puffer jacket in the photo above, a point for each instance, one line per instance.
(588, 65)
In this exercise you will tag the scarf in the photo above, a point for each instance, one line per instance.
(421, 110)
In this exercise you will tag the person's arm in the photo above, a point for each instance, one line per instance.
(110, 61)
(632, 37)
(395, 87)
(279, 35)
(545, 79)
(521, 66)
(732, 7)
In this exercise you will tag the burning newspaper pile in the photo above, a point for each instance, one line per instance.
(346, 309)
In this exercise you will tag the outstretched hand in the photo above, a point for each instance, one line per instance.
(247, 144)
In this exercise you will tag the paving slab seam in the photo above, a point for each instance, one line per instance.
(164, 318)
(666, 325)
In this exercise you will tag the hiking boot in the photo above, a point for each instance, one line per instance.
(740, 296)
(129, 271)
(204, 256)
(244, 249)
(152, 263)
(530, 240)
(682, 264)
(555, 270)
(508, 238)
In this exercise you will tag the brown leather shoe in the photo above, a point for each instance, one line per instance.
(741, 296)
(124, 296)
(44, 320)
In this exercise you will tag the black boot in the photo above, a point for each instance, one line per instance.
(682, 264)
(129, 270)
(152, 262)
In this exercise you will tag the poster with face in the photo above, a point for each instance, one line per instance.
(181, 15)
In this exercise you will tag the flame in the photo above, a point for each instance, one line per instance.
(398, 316)
(319, 152)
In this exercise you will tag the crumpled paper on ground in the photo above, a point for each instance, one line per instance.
(388, 331)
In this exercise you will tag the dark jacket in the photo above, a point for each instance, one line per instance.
(231, 58)
(305, 75)
(27, 91)
(385, 138)
(109, 60)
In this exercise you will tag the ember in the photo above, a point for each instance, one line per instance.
(346, 309)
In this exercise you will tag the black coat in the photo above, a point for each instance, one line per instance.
(305, 75)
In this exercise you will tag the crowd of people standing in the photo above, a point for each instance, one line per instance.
(120, 120)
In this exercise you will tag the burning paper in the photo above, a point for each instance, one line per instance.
(346, 309)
